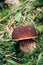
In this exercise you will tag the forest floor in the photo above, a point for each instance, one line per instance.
(30, 13)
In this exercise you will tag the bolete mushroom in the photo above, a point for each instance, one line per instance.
(25, 34)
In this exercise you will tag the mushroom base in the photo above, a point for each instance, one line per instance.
(27, 46)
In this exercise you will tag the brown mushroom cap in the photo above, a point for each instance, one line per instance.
(24, 32)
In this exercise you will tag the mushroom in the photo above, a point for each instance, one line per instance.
(25, 35)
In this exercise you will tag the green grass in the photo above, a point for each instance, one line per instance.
(10, 54)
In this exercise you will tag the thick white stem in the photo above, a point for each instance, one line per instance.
(27, 46)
